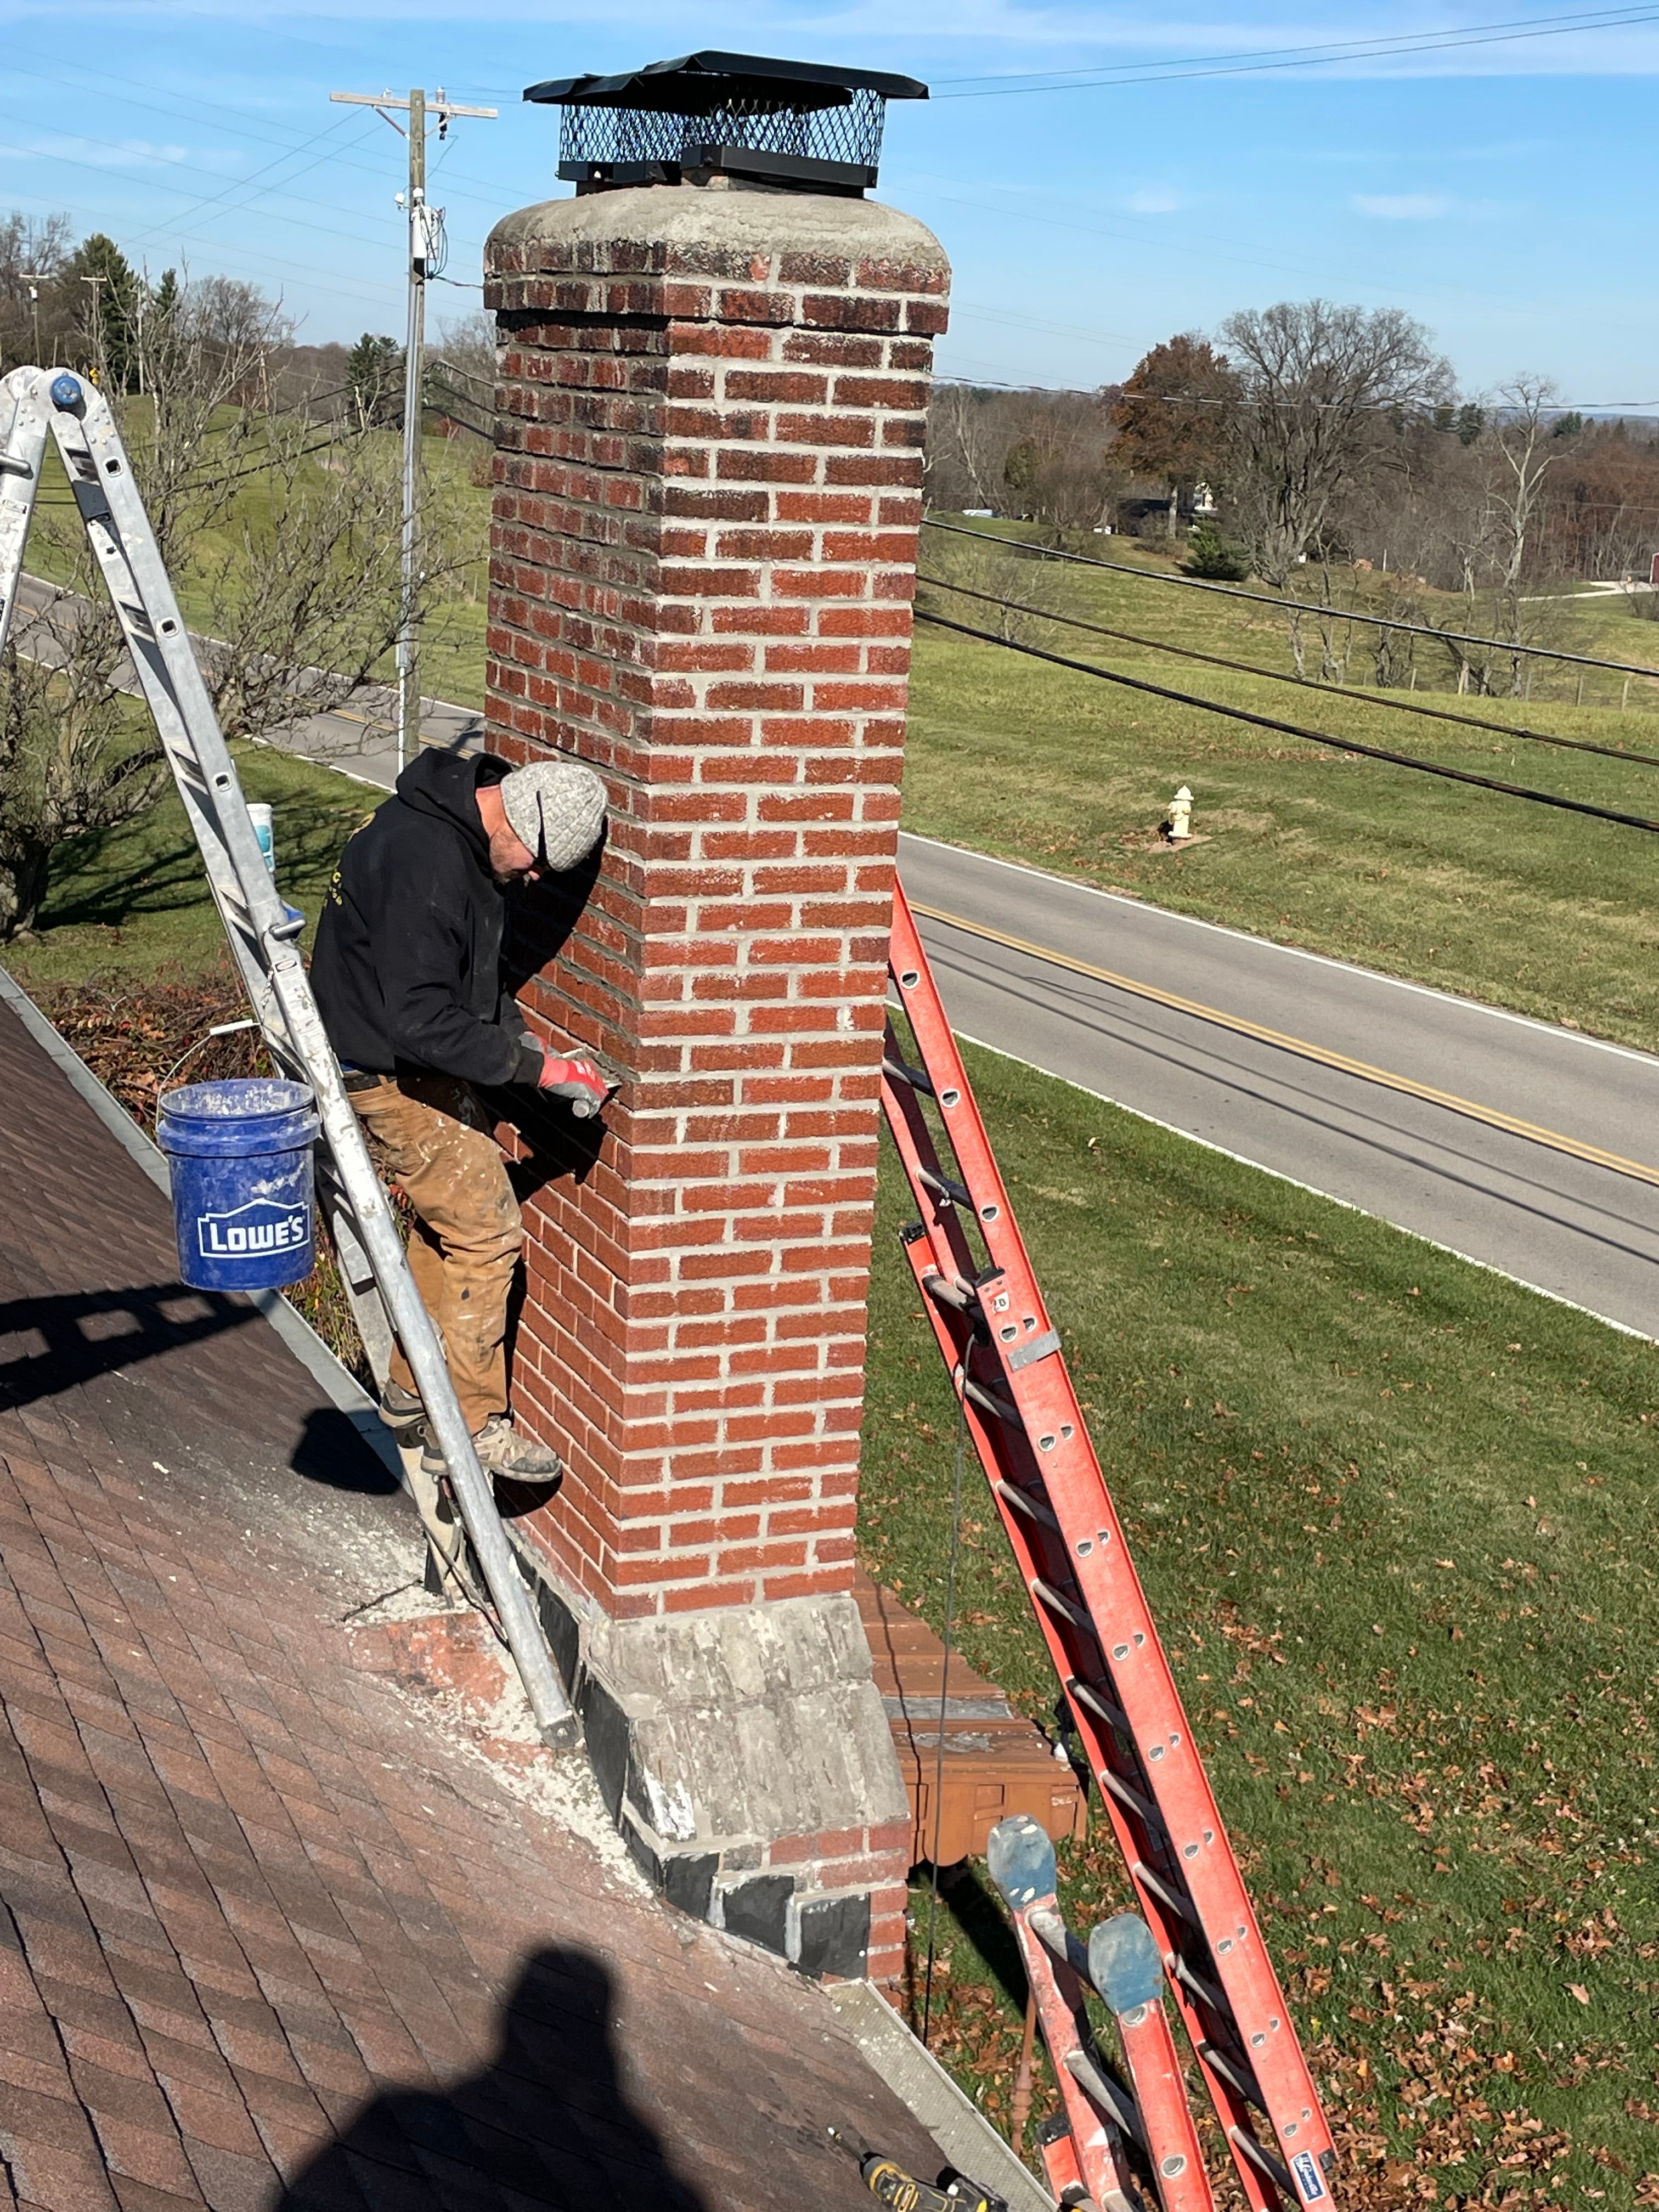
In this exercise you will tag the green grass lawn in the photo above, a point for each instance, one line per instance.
(1393, 1515)
(1548, 913)
(452, 645)
(134, 900)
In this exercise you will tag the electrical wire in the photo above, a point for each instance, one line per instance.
(1296, 729)
(1293, 607)
(279, 160)
(1510, 32)
(1283, 675)
(190, 110)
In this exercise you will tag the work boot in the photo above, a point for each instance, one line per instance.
(402, 1412)
(503, 1451)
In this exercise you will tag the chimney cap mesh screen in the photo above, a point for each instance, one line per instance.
(794, 122)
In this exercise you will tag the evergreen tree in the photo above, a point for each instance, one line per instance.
(109, 319)
(1212, 555)
(375, 373)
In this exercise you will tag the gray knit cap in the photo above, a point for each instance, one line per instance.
(556, 809)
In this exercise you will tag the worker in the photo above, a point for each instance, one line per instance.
(407, 974)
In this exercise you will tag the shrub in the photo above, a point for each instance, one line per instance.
(1215, 558)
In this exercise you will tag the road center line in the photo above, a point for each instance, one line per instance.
(1494, 1119)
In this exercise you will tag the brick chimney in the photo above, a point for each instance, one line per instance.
(707, 493)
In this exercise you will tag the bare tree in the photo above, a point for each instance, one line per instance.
(205, 357)
(1319, 385)
(1522, 452)
(306, 593)
(33, 253)
(985, 582)
(467, 343)
(73, 756)
(969, 435)
(1057, 471)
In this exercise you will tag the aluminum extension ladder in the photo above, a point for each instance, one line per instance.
(262, 932)
(1010, 1375)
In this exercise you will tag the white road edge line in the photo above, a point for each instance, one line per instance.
(1292, 952)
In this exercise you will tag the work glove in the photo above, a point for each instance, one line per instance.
(577, 1081)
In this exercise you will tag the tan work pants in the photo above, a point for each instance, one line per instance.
(467, 1234)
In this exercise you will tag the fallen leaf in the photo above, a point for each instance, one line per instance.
(1577, 1989)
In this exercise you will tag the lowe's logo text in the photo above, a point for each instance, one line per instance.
(1307, 2178)
(258, 1226)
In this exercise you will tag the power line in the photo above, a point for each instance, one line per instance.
(183, 191)
(1319, 48)
(1282, 676)
(1294, 729)
(1295, 606)
(240, 184)
(183, 112)
(1512, 30)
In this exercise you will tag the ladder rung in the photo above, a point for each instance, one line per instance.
(961, 1296)
(1201, 1987)
(988, 1403)
(1263, 2161)
(899, 1071)
(1166, 1897)
(947, 1187)
(1106, 2093)
(1094, 1696)
(1051, 1597)
(1240, 2079)
(1145, 1812)
(1034, 1509)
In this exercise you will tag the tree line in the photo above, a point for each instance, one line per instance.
(1308, 433)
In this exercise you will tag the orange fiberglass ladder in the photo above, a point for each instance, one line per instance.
(1019, 1407)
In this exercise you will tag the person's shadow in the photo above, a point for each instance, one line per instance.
(547, 2122)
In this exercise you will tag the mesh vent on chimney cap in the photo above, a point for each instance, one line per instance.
(796, 126)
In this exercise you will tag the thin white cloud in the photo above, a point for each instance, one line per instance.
(1154, 199)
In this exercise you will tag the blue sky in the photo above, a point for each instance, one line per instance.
(1500, 188)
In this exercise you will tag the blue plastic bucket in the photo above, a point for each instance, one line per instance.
(240, 1159)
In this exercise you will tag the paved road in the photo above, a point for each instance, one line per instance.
(359, 738)
(1565, 1226)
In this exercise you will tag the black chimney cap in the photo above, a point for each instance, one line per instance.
(702, 83)
(793, 125)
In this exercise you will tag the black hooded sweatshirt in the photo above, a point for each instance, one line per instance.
(407, 964)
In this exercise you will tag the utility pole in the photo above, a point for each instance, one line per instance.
(34, 278)
(97, 324)
(425, 247)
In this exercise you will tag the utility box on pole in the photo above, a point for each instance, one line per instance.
(707, 495)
